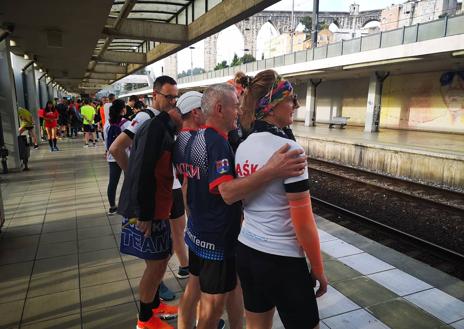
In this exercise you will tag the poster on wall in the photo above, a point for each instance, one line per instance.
(425, 101)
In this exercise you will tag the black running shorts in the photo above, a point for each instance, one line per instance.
(89, 128)
(216, 276)
(278, 281)
(177, 208)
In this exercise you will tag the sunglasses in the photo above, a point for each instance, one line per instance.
(169, 97)
(447, 77)
(295, 101)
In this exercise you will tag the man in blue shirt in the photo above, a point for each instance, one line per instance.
(214, 211)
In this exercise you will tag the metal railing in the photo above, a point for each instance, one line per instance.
(443, 27)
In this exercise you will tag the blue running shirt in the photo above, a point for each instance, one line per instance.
(213, 226)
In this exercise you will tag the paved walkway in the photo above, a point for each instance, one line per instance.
(60, 266)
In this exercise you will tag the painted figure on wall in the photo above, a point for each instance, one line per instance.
(452, 92)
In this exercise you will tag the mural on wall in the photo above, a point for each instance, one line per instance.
(424, 101)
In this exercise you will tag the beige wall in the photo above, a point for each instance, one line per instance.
(410, 101)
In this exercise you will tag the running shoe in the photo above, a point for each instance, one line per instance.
(153, 323)
(165, 311)
(183, 272)
(86, 145)
(56, 148)
(36, 147)
(112, 211)
(166, 294)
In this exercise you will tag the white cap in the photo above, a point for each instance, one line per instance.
(189, 101)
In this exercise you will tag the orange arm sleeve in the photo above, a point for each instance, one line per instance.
(306, 231)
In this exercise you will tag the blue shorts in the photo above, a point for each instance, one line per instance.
(156, 247)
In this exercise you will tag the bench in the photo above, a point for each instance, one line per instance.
(341, 121)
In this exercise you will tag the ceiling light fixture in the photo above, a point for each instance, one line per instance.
(26, 56)
(12, 43)
(385, 62)
(458, 53)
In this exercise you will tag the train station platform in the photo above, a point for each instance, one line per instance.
(425, 157)
(60, 266)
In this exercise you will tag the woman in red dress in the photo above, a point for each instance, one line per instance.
(51, 120)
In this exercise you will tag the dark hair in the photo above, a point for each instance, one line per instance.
(86, 101)
(132, 98)
(162, 80)
(111, 96)
(256, 88)
(139, 105)
(49, 110)
(115, 110)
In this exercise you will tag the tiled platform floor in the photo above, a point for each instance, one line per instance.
(60, 266)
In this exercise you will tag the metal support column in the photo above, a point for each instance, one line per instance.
(374, 101)
(8, 106)
(310, 117)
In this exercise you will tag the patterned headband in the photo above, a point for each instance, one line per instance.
(280, 89)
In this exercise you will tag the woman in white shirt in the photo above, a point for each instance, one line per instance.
(278, 228)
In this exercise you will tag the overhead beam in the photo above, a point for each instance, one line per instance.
(103, 76)
(95, 86)
(123, 57)
(110, 68)
(222, 15)
(146, 30)
(125, 11)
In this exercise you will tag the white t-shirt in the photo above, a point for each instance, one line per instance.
(136, 123)
(106, 110)
(267, 226)
(106, 128)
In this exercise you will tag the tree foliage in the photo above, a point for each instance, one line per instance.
(196, 70)
(307, 21)
(246, 58)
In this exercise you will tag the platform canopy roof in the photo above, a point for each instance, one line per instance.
(84, 45)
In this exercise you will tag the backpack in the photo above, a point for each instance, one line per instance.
(113, 132)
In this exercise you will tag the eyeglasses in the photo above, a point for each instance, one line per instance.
(168, 97)
(447, 77)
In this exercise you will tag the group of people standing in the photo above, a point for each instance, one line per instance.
(250, 227)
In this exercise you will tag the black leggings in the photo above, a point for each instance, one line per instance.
(115, 174)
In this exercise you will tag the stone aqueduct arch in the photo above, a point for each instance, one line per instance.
(281, 20)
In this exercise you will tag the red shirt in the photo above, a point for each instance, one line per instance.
(51, 119)
(40, 112)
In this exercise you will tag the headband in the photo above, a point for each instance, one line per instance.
(280, 89)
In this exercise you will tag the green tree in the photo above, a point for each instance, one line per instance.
(235, 61)
(247, 58)
(221, 65)
(323, 25)
(307, 21)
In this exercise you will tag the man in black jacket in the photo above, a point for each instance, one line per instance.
(147, 196)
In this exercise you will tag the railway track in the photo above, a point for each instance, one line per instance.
(436, 195)
(420, 221)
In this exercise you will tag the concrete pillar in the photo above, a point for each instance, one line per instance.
(170, 66)
(8, 106)
(32, 97)
(374, 100)
(310, 117)
(210, 52)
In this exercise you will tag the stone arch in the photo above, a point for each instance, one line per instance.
(229, 41)
(266, 30)
(369, 20)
